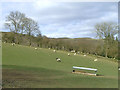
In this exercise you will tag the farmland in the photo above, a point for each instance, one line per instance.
(24, 67)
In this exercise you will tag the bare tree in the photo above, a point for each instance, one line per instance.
(31, 27)
(15, 21)
(106, 31)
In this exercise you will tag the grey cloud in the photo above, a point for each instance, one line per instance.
(68, 19)
(78, 11)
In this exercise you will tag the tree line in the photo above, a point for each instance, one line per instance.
(25, 31)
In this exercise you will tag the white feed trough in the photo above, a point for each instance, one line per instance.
(86, 69)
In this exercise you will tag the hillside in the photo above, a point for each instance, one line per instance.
(24, 67)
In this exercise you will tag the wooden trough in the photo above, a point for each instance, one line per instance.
(84, 70)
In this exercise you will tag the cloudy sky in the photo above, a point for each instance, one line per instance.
(64, 19)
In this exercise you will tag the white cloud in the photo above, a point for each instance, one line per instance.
(64, 19)
(41, 4)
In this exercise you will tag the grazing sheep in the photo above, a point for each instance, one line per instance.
(4, 42)
(58, 59)
(95, 60)
(78, 52)
(74, 53)
(68, 54)
(13, 44)
(118, 68)
(49, 48)
(84, 55)
(35, 48)
(54, 50)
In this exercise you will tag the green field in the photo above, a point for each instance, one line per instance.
(25, 67)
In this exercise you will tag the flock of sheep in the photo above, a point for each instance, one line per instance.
(58, 59)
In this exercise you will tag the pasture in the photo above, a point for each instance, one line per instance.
(25, 67)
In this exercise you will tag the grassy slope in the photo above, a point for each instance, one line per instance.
(38, 68)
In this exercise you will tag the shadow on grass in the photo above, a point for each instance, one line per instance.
(33, 69)
(23, 77)
(99, 75)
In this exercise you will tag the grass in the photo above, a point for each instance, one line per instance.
(25, 67)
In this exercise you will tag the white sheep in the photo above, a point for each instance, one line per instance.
(54, 50)
(58, 59)
(49, 48)
(35, 48)
(74, 53)
(84, 55)
(95, 60)
(13, 44)
(68, 54)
